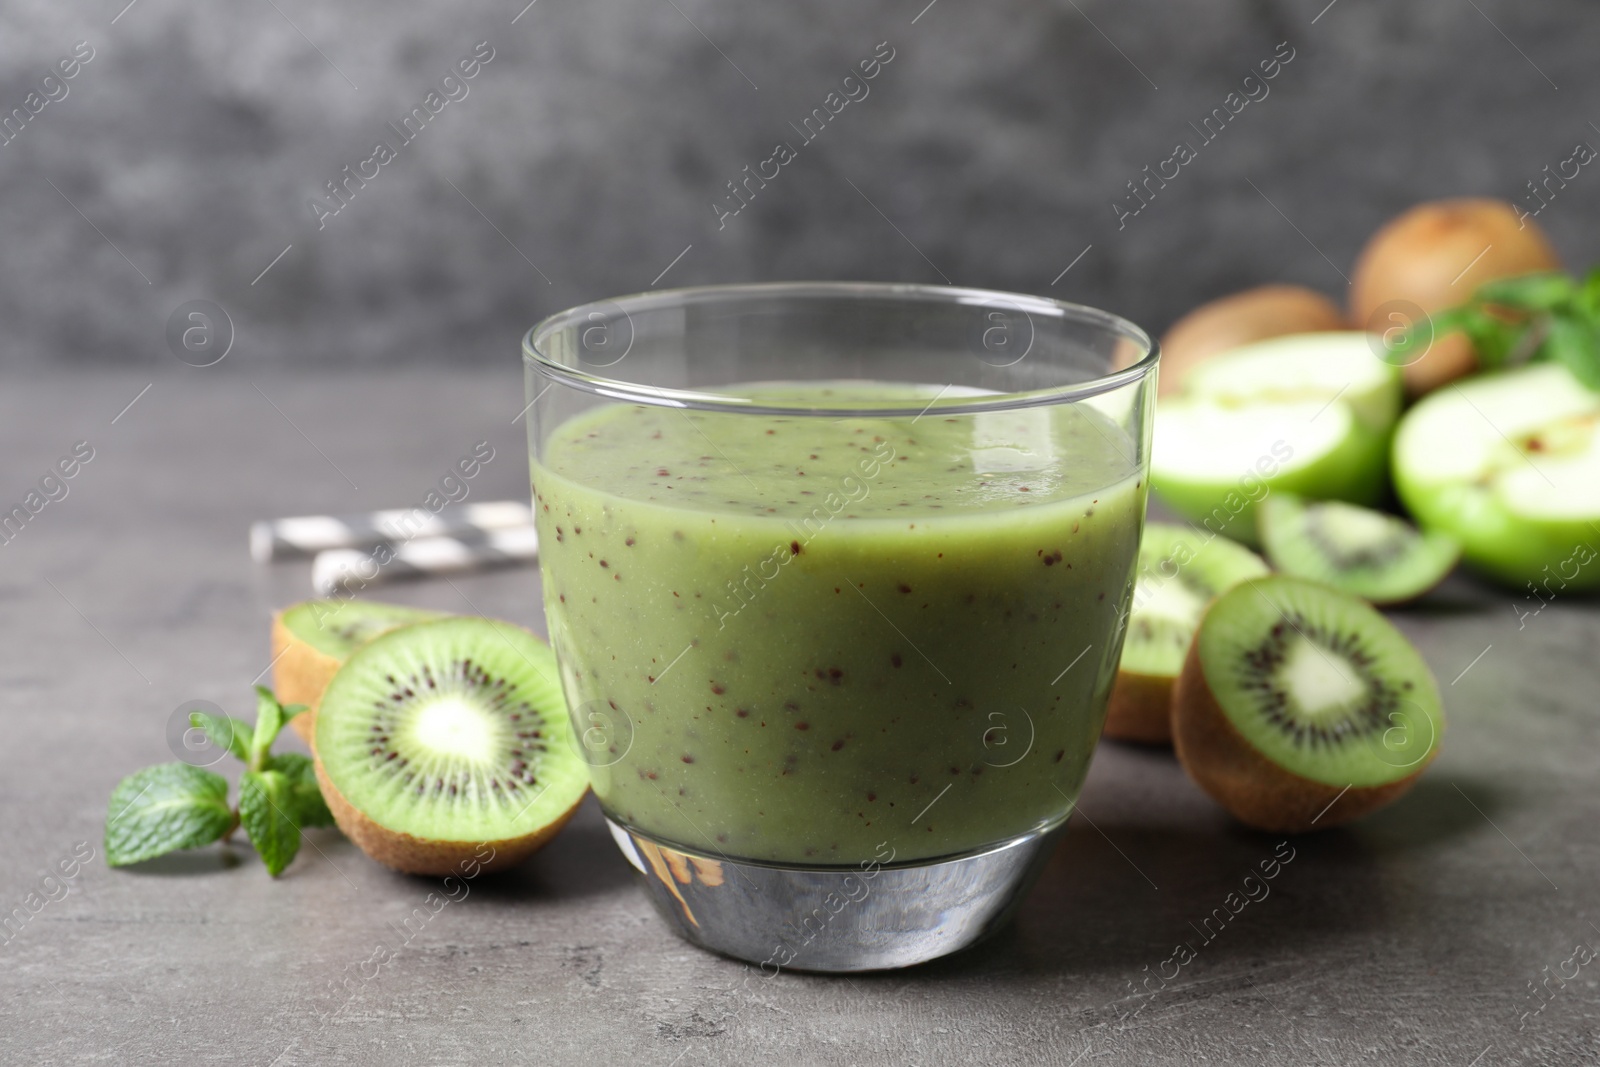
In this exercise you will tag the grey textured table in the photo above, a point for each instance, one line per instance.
(1414, 937)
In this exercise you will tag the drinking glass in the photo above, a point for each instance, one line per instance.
(837, 577)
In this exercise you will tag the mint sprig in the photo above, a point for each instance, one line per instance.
(264, 801)
(174, 806)
(304, 794)
(226, 733)
(166, 807)
(1548, 316)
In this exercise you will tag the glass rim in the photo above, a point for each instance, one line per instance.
(663, 396)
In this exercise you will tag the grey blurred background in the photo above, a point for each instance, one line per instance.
(585, 157)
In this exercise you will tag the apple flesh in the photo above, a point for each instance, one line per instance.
(1509, 464)
(1309, 414)
(1240, 319)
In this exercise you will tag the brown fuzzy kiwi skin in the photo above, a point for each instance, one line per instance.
(1425, 256)
(299, 675)
(420, 855)
(1255, 790)
(1140, 709)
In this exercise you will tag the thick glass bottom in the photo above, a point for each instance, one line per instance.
(877, 915)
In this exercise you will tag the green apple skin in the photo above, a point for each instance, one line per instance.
(1545, 556)
(1355, 472)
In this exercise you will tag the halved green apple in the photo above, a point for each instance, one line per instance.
(1342, 364)
(1309, 414)
(1509, 464)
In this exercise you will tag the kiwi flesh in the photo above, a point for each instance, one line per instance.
(1301, 707)
(438, 739)
(310, 640)
(1180, 571)
(1367, 553)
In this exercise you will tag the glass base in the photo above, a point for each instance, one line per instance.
(835, 919)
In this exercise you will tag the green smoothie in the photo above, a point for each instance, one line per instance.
(828, 634)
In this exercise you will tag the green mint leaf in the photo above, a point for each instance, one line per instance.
(269, 720)
(308, 807)
(1400, 345)
(1586, 304)
(291, 710)
(1529, 292)
(165, 808)
(224, 732)
(1589, 291)
(1492, 337)
(1575, 345)
(264, 803)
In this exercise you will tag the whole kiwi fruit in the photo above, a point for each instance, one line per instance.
(1433, 257)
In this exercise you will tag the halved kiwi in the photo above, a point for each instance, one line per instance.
(1357, 550)
(1301, 707)
(311, 639)
(440, 738)
(1180, 571)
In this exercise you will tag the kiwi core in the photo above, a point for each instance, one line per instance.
(452, 728)
(1320, 681)
(1173, 600)
(451, 731)
(1356, 531)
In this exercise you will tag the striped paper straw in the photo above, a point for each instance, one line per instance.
(425, 556)
(309, 534)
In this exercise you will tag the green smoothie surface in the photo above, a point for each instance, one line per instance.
(811, 636)
(766, 465)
